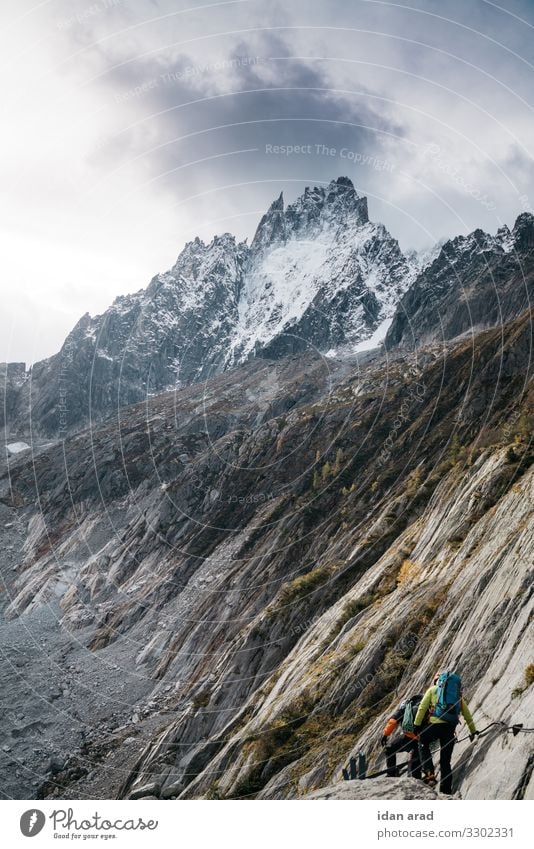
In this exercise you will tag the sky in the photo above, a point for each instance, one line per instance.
(132, 126)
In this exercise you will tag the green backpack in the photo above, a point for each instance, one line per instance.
(410, 711)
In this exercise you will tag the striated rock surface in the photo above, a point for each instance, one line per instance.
(377, 788)
(243, 578)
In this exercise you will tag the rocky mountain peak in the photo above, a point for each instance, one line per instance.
(341, 194)
(338, 205)
(481, 244)
(317, 270)
(317, 274)
(475, 282)
(271, 227)
(476, 242)
(503, 233)
(197, 250)
(523, 232)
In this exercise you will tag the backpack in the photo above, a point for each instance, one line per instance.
(410, 710)
(449, 701)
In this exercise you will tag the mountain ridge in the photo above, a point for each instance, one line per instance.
(475, 282)
(317, 274)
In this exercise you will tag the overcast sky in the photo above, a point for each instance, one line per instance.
(132, 126)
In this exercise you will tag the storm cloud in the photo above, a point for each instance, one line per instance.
(138, 125)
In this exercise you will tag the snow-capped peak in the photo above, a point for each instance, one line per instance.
(318, 272)
(336, 205)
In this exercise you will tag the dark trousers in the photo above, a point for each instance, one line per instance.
(404, 744)
(444, 732)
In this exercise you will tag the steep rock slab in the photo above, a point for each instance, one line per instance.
(275, 632)
(377, 788)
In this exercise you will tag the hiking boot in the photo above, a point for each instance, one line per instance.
(430, 779)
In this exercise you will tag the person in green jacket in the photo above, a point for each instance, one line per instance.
(442, 722)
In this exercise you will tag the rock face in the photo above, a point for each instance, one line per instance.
(227, 588)
(246, 576)
(475, 282)
(13, 376)
(176, 331)
(317, 275)
(378, 788)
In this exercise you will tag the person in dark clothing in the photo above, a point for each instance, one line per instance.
(445, 733)
(407, 743)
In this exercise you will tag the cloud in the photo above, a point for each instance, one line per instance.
(382, 85)
(135, 126)
(200, 125)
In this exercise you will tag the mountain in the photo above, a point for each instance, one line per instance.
(475, 282)
(318, 275)
(226, 589)
(12, 378)
(226, 592)
(423, 258)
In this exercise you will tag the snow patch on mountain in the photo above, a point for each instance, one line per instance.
(278, 291)
(317, 274)
(17, 447)
(307, 262)
(376, 339)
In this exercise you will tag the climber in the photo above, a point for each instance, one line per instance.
(405, 714)
(442, 703)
